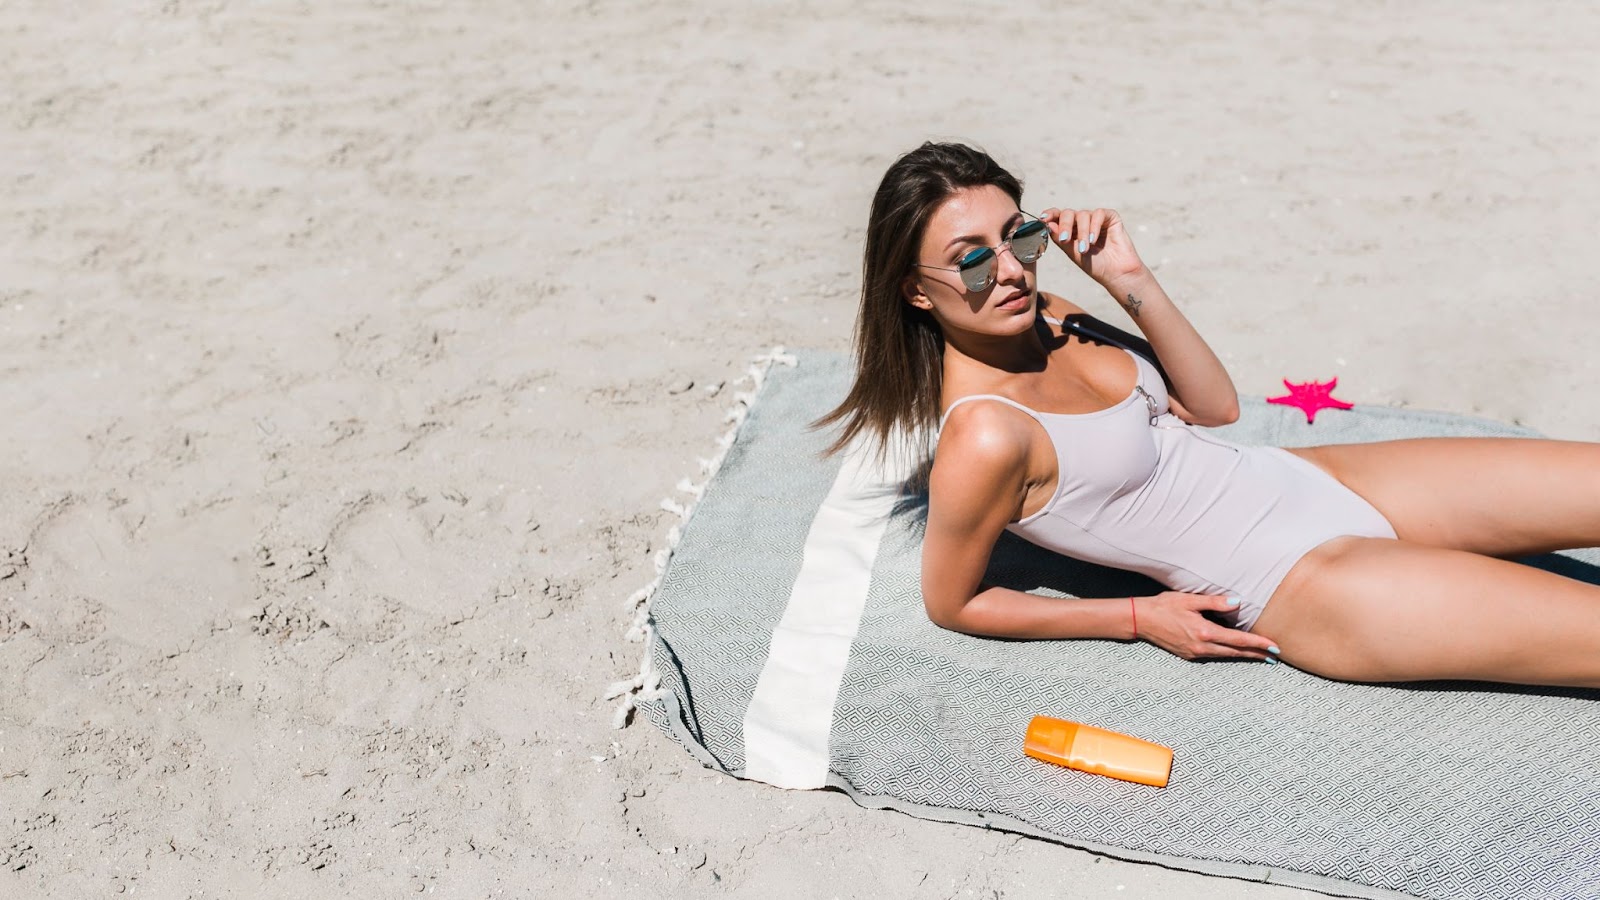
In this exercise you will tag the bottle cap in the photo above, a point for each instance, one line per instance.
(1049, 739)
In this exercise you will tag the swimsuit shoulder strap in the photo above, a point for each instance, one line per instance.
(1147, 353)
(1006, 400)
(1079, 329)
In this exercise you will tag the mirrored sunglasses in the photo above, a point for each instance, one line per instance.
(976, 267)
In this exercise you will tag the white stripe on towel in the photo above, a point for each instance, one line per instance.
(787, 725)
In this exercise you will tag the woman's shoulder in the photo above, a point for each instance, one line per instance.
(983, 434)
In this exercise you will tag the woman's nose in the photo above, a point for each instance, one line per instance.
(1007, 268)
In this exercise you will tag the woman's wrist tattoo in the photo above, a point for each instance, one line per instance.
(1132, 305)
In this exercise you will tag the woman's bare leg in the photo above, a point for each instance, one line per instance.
(1375, 609)
(1504, 497)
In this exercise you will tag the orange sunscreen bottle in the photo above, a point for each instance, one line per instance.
(1090, 749)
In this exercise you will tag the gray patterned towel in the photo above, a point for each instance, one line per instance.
(792, 648)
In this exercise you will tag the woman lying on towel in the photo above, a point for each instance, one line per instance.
(1382, 561)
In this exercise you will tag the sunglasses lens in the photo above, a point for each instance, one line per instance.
(1028, 241)
(977, 270)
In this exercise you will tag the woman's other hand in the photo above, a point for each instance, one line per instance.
(1096, 240)
(1172, 620)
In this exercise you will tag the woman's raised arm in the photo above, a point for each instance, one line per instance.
(1098, 243)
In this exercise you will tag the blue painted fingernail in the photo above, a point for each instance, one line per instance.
(1270, 660)
(1092, 236)
(1083, 246)
(1233, 601)
(1273, 649)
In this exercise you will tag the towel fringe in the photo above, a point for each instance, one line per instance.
(646, 685)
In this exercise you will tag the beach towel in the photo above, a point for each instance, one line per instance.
(786, 642)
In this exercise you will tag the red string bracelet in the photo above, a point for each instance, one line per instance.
(1135, 611)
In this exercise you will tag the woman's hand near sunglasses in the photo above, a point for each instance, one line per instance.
(1096, 241)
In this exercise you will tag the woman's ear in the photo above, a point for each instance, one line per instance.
(912, 290)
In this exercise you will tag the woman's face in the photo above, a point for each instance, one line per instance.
(971, 219)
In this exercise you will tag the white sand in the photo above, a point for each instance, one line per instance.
(338, 349)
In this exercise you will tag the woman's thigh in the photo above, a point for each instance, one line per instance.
(1504, 497)
(1376, 609)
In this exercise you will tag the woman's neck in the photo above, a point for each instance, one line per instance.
(971, 353)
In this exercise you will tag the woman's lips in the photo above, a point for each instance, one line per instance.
(1015, 301)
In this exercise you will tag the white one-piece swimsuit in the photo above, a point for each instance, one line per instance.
(1140, 489)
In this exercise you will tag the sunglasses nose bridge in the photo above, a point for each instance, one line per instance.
(1000, 259)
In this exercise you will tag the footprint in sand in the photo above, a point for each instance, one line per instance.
(386, 548)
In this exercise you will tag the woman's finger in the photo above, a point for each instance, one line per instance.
(1222, 634)
(1112, 222)
(1097, 222)
(1048, 217)
(1262, 642)
(1064, 220)
(1227, 652)
(1215, 602)
(1244, 640)
(1238, 637)
(1082, 236)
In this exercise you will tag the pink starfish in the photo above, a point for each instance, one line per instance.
(1311, 396)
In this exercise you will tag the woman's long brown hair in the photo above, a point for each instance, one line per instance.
(899, 349)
